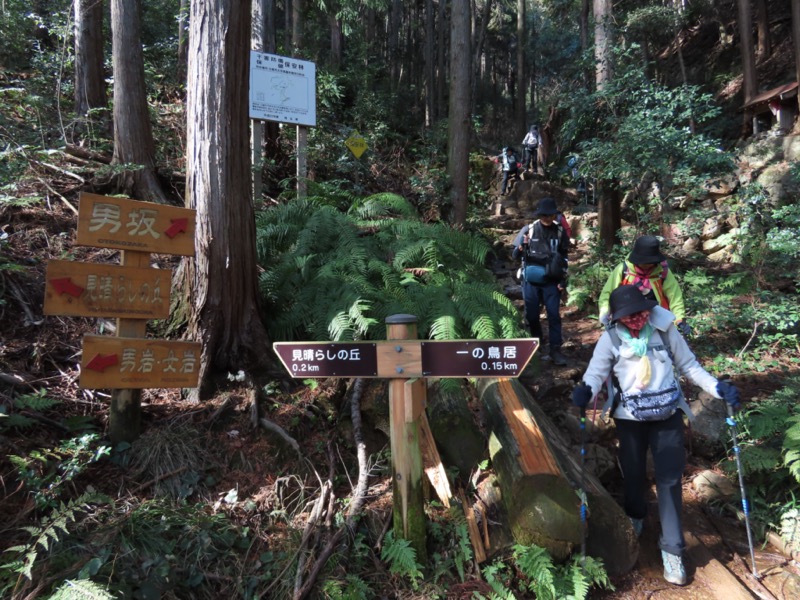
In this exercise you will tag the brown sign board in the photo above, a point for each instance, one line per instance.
(107, 222)
(407, 359)
(328, 359)
(477, 358)
(99, 290)
(138, 363)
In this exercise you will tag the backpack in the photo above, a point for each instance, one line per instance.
(646, 406)
(541, 259)
(658, 285)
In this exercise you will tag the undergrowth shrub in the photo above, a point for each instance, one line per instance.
(769, 442)
(330, 275)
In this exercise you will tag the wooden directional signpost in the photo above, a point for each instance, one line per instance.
(132, 292)
(407, 361)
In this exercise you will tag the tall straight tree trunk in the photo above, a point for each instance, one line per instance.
(477, 57)
(183, 42)
(796, 39)
(297, 26)
(748, 61)
(430, 64)
(520, 116)
(90, 84)
(337, 41)
(393, 40)
(608, 197)
(459, 122)
(441, 60)
(584, 29)
(602, 42)
(762, 27)
(221, 280)
(133, 133)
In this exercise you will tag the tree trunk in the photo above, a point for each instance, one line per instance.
(584, 27)
(539, 477)
(183, 42)
(90, 85)
(264, 38)
(221, 281)
(520, 117)
(297, 26)
(458, 117)
(477, 59)
(748, 62)
(430, 64)
(337, 41)
(441, 60)
(762, 27)
(602, 42)
(796, 38)
(133, 134)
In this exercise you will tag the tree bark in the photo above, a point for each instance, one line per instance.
(522, 80)
(297, 26)
(183, 42)
(90, 85)
(796, 38)
(430, 64)
(748, 62)
(602, 42)
(539, 476)
(133, 133)
(762, 27)
(221, 281)
(459, 122)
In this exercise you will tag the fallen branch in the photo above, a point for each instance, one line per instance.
(155, 480)
(87, 154)
(357, 503)
(275, 428)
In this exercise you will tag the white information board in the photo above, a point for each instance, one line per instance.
(283, 89)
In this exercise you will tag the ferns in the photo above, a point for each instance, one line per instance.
(402, 558)
(330, 275)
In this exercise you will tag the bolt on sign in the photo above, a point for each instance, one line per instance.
(99, 290)
(407, 358)
(356, 143)
(124, 224)
(137, 363)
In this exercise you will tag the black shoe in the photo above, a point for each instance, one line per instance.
(558, 358)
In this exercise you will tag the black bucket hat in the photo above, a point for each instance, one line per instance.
(628, 300)
(646, 251)
(547, 206)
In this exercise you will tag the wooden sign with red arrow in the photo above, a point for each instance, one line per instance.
(107, 222)
(99, 290)
(137, 363)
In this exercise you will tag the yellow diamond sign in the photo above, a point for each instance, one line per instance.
(356, 143)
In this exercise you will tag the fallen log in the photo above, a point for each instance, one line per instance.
(539, 477)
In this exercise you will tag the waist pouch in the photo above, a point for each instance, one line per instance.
(652, 406)
(535, 273)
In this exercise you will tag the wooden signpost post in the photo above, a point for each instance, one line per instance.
(407, 361)
(132, 292)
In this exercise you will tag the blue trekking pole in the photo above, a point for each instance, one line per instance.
(584, 521)
(745, 506)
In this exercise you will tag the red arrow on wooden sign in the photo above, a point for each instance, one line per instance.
(102, 361)
(178, 226)
(64, 285)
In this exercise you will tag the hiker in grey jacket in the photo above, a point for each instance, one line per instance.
(638, 351)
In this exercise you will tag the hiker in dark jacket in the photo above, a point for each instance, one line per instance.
(542, 246)
(639, 350)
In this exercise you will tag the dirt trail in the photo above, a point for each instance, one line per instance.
(718, 557)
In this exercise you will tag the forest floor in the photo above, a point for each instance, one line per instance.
(39, 351)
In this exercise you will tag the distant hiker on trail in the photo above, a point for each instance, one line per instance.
(647, 269)
(542, 246)
(530, 149)
(638, 351)
(509, 165)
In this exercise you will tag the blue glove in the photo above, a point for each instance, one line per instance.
(729, 393)
(581, 395)
(684, 328)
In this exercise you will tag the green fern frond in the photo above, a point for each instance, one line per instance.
(402, 558)
(381, 206)
(759, 459)
(36, 401)
(82, 589)
(537, 565)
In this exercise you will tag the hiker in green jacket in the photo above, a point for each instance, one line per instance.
(646, 268)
